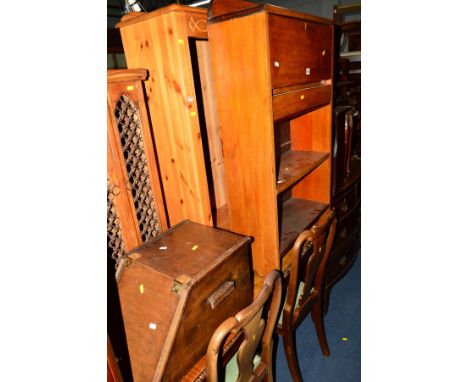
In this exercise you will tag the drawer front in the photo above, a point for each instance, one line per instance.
(288, 104)
(341, 260)
(346, 204)
(300, 51)
(346, 227)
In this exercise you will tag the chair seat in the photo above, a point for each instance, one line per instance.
(232, 369)
(299, 294)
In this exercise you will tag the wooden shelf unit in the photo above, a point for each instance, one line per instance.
(171, 42)
(272, 71)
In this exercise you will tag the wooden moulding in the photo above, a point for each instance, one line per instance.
(120, 75)
(122, 198)
(287, 105)
(136, 17)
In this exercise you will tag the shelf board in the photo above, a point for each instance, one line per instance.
(294, 165)
(298, 214)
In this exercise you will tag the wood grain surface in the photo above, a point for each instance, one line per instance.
(239, 51)
(159, 41)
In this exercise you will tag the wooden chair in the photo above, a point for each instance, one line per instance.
(304, 279)
(246, 364)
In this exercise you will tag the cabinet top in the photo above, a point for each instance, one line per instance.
(136, 17)
(226, 9)
(188, 249)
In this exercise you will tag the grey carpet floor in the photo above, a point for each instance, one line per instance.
(343, 328)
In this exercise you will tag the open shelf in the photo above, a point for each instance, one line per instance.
(297, 215)
(294, 165)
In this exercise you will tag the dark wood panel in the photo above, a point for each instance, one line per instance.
(199, 317)
(175, 251)
(114, 41)
(165, 291)
(119, 365)
(302, 54)
(294, 165)
(345, 204)
(113, 372)
(141, 293)
(297, 215)
(342, 258)
(286, 105)
(347, 227)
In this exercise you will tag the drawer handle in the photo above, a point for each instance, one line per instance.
(221, 293)
(116, 190)
(343, 233)
(344, 206)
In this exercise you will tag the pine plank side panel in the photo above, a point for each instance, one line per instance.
(190, 128)
(240, 63)
(212, 124)
(160, 44)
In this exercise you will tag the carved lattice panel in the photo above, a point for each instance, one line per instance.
(129, 127)
(114, 234)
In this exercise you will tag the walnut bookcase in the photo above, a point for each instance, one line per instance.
(171, 42)
(272, 71)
